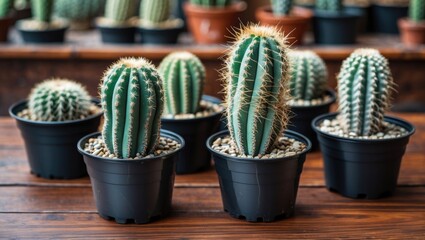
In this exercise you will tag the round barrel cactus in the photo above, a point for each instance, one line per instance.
(257, 75)
(183, 75)
(309, 76)
(132, 100)
(78, 10)
(364, 87)
(58, 100)
(155, 11)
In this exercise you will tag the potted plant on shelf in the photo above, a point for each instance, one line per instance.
(209, 21)
(187, 112)
(293, 21)
(156, 25)
(385, 14)
(56, 115)
(132, 163)
(42, 28)
(413, 28)
(118, 24)
(332, 24)
(79, 13)
(362, 148)
(362, 9)
(257, 162)
(310, 95)
(6, 19)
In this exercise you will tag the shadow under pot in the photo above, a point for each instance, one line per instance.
(168, 34)
(302, 117)
(132, 190)
(259, 190)
(50, 146)
(384, 18)
(195, 156)
(33, 32)
(362, 168)
(334, 28)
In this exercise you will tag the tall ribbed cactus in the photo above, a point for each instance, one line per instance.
(309, 76)
(257, 89)
(183, 75)
(5, 7)
(211, 3)
(155, 11)
(132, 100)
(364, 87)
(417, 10)
(58, 100)
(119, 10)
(329, 5)
(42, 10)
(78, 10)
(281, 7)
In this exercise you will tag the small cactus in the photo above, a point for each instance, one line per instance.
(155, 11)
(5, 7)
(257, 75)
(78, 10)
(183, 75)
(329, 5)
(42, 10)
(211, 3)
(365, 85)
(58, 100)
(132, 100)
(417, 10)
(119, 10)
(309, 75)
(281, 7)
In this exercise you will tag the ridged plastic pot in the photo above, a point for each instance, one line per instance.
(195, 131)
(50, 146)
(132, 191)
(259, 190)
(160, 36)
(334, 28)
(117, 34)
(300, 122)
(362, 168)
(384, 18)
(42, 36)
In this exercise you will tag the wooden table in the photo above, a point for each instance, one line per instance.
(36, 208)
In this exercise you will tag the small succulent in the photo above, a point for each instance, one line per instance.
(281, 7)
(78, 10)
(417, 10)
(132, 100)
(42, 10)
(155, 11)
(211, 3)
(119, 11)
(309, 75)
(5, 7)
(257, 75)
(365, 85)
(183, 75)
(58, 100)
(329, 5)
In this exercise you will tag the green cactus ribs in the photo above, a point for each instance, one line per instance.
(132, 100)
(281, 7)
(118, 12)
(78, 10)
(257, 89)
(5, 7)
(155, 11)
(329, 5)
(365, 85)
(42, 10)
(211, 3)
(417, 10)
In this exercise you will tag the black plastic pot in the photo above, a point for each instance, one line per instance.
(362, 168)
(303, 115)
(334, 28)
(132, 191)
(385, 18)
(50, 146)
(195, 157)
(43, 36)
(259, 189)
(160, 36)
(117, 34)
(363, 20)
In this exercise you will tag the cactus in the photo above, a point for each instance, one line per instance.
(257, 75)
(5, 7)
(183, 75)
(42, 10)
(132, 100)
(211, 3)
(365, 85)
(119, 10)
(155, 11)
(78, 10)
(329, 5)
(281, 7)
(58, 100)
(308, 75)
(417, 10)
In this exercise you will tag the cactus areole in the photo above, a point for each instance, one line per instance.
(132, 100)
(257, 89)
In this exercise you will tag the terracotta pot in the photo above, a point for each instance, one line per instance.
(4, 28)
(412, 33)
(212, 25)
(294, 25)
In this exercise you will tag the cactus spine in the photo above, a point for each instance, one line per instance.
(78, 10)
(119, 10)
(155, 11)
(281, 7)
(364, 86)
(329, 5)
(183, 75)
(211, 3)
(58, 100)
(5, 7)
(42, 10)
(257, 89)
(308, 75)
(132, 100)
(417, 10)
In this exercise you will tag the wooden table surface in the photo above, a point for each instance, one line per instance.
(36, 208)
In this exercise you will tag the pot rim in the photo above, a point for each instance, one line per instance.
(24, 102)
(328, 91)
(298, 13)
(332, 115)
(304, 139)
(407, 23)
(64, 27)
(332, 15)
(231, 9)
